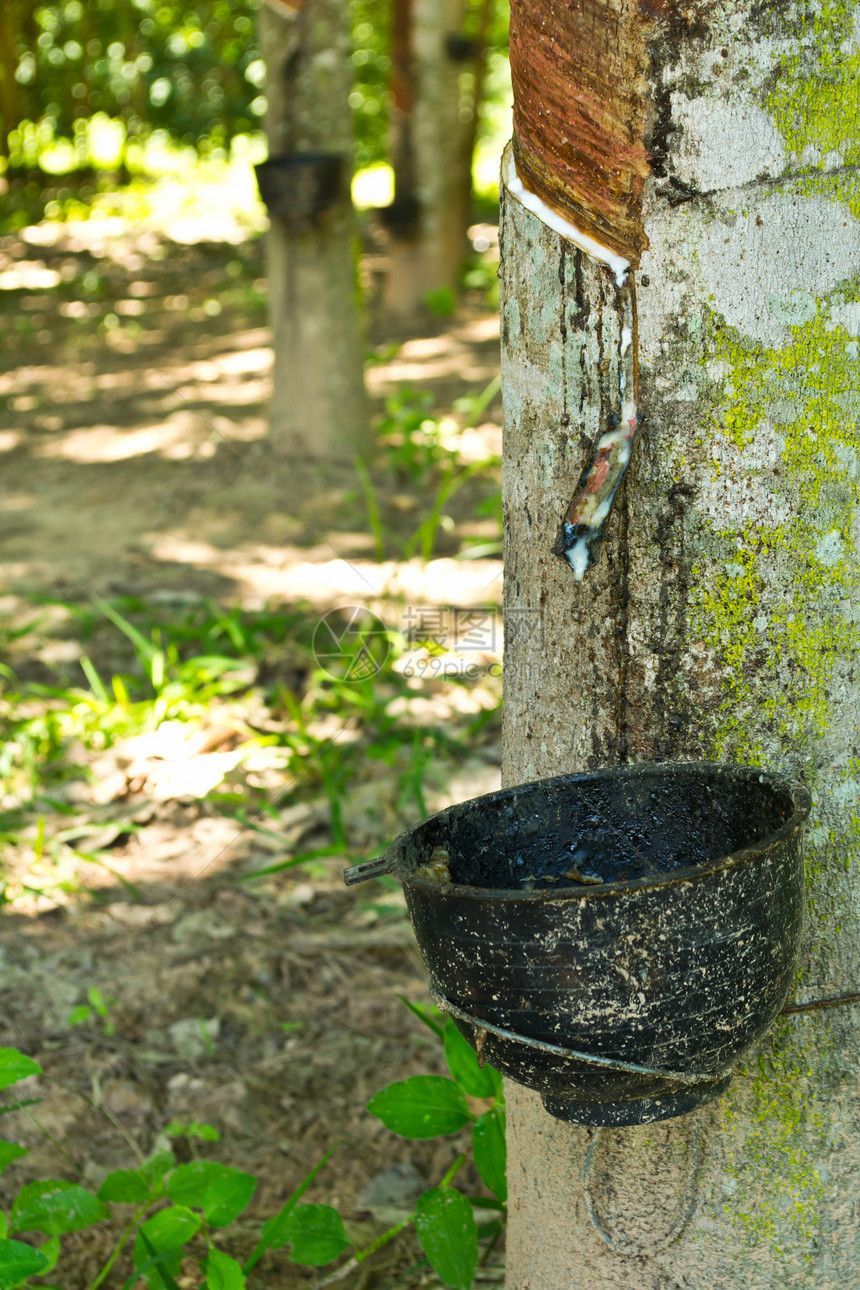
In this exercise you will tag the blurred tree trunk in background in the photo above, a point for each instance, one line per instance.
(436, 87)
(9, 113)
(722, 617)
(318, 407)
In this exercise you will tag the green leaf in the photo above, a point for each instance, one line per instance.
(54, 1207)
(19, 1261)
(316, 1234)
(164, 1235)
(274, 1233)
(463, 1065)
(498, 1084)
(446, 1229)
(10, 1151)
(98, 1000)
(220, 1191)
(486, 1231)
(423, 1015)
(155, 1268)
(490, 1152)
(229, 1197)
(423, 1106)
(126, 1186)
(97, 685)
(144, 649)
(155, 1167)
(188, 1183)
(223, 1272)
(196, 1129)
(14, 1066)
(51, 1251)
(79, 1015)
(170, 1228)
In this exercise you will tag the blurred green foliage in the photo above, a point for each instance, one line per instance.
(193, 72)
(371, 62)
(152, 64)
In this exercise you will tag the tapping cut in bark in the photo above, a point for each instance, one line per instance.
(578, 161)
(580, 97)
(588, 514)
(617, 264)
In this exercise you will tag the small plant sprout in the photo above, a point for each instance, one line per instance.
(99, 1006)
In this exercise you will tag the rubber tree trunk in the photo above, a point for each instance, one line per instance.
(436, 82)
(318, 407)
(721, 618)
(9, 113)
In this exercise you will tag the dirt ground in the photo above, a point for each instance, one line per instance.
(132, 424)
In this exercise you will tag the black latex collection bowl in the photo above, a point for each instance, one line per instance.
(613, 939)
(298, 187)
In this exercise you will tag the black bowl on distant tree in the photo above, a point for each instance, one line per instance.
(300, 186)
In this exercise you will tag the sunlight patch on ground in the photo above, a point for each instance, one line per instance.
(179, 759)
(19, 501)
(235, 394)
(213, 226)
(169, 439)
(470, 781)
(29, 275)
(236, 363)
(36, 376)
(382, 379)
(428, 358)
(476, 443)
(478, 329)
(448, 582)
(294, 573)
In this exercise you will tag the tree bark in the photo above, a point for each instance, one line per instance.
(9, 114)
(433, 126)
(722, 615)
(318, 407)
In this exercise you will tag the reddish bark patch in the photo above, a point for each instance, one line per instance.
(402, 91)
(580, 95)
(289, 8)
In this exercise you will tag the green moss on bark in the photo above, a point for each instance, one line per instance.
(815, 99)
(774, 1183)
(784, 597)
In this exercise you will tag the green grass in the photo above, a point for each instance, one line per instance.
(252, 670)
(417, 447)
(141, 664)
